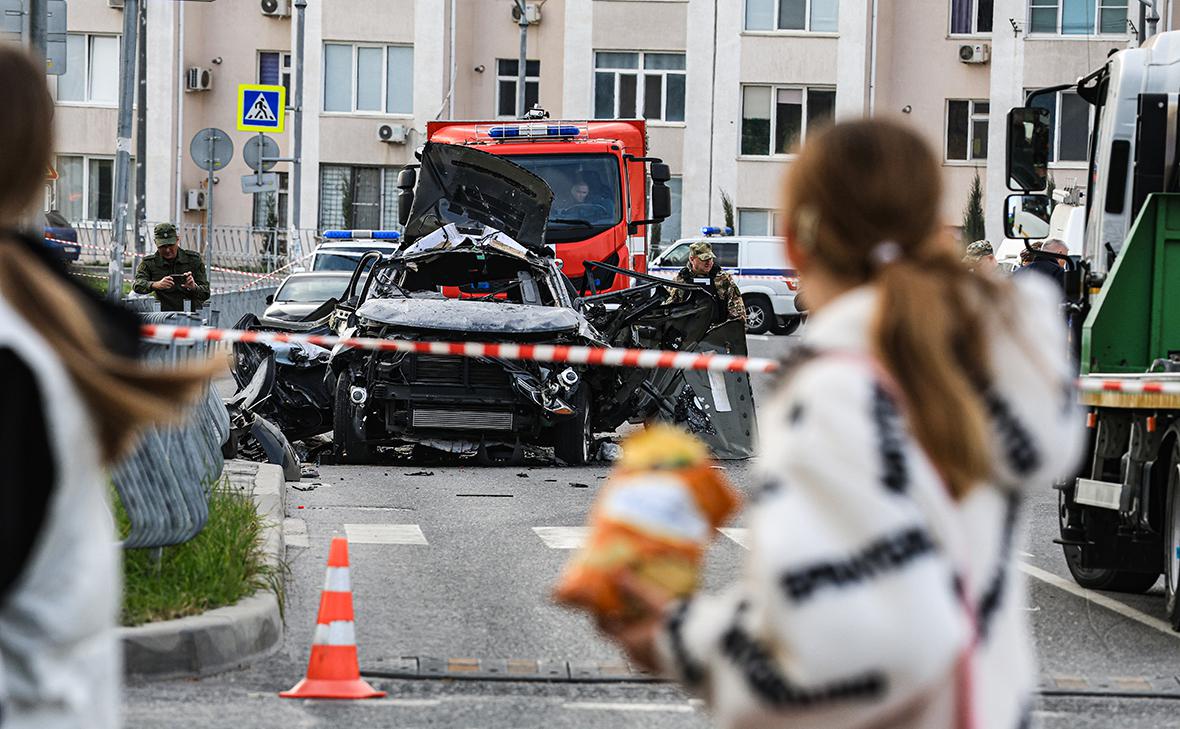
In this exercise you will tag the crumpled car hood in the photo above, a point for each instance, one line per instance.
(465, 185)
(483, 317)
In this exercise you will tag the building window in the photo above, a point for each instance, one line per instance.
(92, 70)
(757, 222)
(274, 69)
(776, 120)
(368, 78)
(506, 78)
(969, 17)
(817, 16)
(1069, 125)
(1077, 17)
(85, 187)
(363, 198)
(966, 129)
(639, 85)
(270, 208)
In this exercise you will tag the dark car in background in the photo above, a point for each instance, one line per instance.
(60, 237)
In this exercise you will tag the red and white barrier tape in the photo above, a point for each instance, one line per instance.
(1129, 386)
(558, 353)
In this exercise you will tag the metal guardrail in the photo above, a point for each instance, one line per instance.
(164, 484)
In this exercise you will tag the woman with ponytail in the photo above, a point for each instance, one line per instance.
(72, 398)
(880, 588)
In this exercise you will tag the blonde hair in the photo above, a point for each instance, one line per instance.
(863, 199)
(122, 395)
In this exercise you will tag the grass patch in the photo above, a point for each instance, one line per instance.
(220, 566)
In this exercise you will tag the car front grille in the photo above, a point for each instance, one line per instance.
(431, 369)
(462, 419)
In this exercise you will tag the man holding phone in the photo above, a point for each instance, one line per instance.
(172, 274)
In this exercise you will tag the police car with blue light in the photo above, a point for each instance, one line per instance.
(759, 266)
(342, 249)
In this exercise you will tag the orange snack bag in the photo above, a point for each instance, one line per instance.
(654, 518)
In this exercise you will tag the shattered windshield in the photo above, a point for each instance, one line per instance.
(585, 191)
(312, 289)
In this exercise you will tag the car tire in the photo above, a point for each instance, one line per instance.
(1172, 540)
(1100, 578)
(573, 436)
(788, 325)
(759, 314)
(350, 445)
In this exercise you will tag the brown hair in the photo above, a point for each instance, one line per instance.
(863, 199)
(121, 395)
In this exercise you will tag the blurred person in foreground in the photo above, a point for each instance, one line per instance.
(72, 397)
(173, 274)
(880, 587)
(981, 257)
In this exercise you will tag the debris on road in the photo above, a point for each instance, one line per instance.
(610, 451)
(308, 487)
(420, 473)
(579, 485)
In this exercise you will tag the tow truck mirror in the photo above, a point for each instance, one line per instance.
(660, 172)
(661, 201)
(407, 179)
(1027, 161)
(1027, 216)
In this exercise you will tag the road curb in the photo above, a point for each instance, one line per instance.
(229, 636)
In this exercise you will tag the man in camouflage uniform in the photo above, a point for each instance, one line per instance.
(980, 256)
(172, 274)
(702, 269)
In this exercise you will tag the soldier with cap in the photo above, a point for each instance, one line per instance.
(171, 273)
(981, 256)
(702, 269)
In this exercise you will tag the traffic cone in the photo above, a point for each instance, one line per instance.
(333, 671)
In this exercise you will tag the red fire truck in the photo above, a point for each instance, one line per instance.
(598, 172)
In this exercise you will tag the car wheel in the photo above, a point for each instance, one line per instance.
(1100, 578)
(350, 445)
(573, 436)
(789, 325)
(1172, 540)
(759, 314)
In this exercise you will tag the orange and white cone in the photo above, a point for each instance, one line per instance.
(333, 671)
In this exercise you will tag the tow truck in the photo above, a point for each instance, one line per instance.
(598, 171)
(1120, 517)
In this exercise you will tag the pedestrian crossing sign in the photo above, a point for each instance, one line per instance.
(261, 108)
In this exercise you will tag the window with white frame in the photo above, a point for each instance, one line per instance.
(816, 16)
(506, 78)
(969, 17)
(751, 221)
(274, 69)
(776, 120)
(1069, 125)
(1077, 17)
(966, 129)
(375, 79)
(92, 70)
(85, 187)
(356, 197)
(270, 208)
(629, 85)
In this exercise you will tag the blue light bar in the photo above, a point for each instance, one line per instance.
(521, 131)
(362, 234)
(708, 230)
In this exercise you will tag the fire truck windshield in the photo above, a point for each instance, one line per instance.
(585, 192)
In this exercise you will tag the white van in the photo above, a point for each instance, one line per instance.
(759, 266)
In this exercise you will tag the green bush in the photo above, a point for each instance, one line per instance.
(220, 566)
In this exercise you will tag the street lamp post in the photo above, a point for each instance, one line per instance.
(520, 69)
(127, 80)
(297, 107)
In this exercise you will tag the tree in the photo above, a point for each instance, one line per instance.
(974, 225)
(727, 210)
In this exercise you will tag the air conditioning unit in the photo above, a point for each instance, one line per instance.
(194, 200)
(975, 53)
(276, 8)
(392, 133)
(532, 13)
(115, 4)
(198, 79)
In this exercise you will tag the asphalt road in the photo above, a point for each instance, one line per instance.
(454, 563)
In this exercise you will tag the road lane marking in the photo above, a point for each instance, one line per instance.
(563, 537)
(295, 533)
(384, 534)
(739, 536)
(605, 706)
(1098, 599)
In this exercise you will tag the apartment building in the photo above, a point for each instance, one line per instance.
(729, 88)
